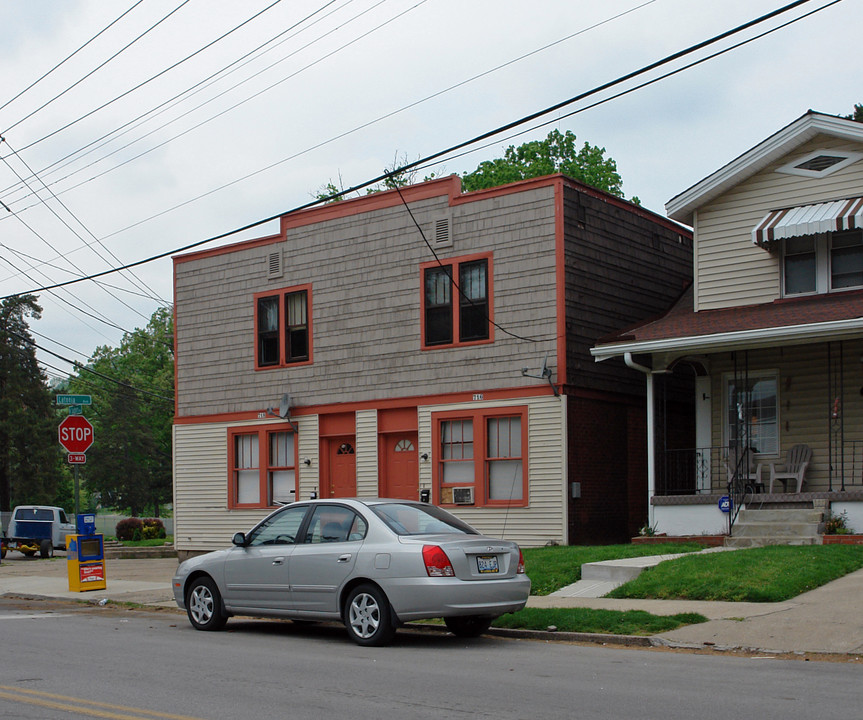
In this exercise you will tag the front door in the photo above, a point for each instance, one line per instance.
(400, 478)
(341, 467)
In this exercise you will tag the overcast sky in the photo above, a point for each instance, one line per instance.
(223, 140)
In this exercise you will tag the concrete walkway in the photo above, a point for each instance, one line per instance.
(825, 620)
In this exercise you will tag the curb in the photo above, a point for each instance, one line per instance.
(551, 636)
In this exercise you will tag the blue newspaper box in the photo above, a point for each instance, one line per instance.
(86, 524)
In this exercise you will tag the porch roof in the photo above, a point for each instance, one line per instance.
(788, 321)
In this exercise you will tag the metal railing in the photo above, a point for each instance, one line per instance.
(692, 471)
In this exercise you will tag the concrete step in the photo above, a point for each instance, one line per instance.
(780, 515)
(737, 541)
(773, 529)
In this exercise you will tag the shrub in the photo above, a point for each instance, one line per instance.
(153, 528)
(128, 527)
(837, 524)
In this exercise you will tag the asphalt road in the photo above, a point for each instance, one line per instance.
(63, 661)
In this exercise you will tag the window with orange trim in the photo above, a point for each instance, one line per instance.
(456, 302)
(283, 329)
(483, 450)
(263, 467)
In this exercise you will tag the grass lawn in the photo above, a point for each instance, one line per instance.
(589, 620)
(767, 574)
(154, 542)
(551, 568)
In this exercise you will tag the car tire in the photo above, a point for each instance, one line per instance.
(46, 549)
(204, 605)
(368, 616)
(468, 626)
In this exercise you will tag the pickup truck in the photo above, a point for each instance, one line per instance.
(37, 528)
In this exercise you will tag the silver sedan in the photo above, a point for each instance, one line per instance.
(372, 564)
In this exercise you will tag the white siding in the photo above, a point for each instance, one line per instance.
(367, 453)
(544, 519)
(730, 270)
(203, 522)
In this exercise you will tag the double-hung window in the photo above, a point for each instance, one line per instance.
(263, 467)
(752, 413)
(822, 263)
(457, 302)
(283, 327)
(483, 452)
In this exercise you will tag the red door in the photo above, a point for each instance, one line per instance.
(400, 477)
(342, 470)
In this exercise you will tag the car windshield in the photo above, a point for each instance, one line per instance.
(405, 519)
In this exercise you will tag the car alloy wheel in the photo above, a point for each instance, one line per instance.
(204, 605)
(368, 616)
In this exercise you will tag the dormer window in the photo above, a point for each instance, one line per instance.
(822, 263)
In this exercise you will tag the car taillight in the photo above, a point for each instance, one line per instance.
(520, 568)
(437, 562)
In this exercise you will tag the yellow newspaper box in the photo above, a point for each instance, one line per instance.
(85, 562)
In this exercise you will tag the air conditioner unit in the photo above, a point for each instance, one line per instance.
(462, 496)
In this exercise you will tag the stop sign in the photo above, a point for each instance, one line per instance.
(76, 433)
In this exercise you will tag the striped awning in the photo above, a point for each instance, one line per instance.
(832, 216)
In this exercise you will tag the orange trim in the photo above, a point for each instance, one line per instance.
(283, 314)
(233, 247)
(479, 418)
(496, 395)
(397, 420)
(263, 432)
(343, 423)
(454, 264)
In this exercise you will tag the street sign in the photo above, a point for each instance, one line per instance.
(74, 400)
(76, 434)
(77, 458)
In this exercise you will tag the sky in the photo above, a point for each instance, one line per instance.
(132, 129)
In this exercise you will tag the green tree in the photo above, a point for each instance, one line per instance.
(29, 452)
(558, 153)
(132, 387)
(857, 114)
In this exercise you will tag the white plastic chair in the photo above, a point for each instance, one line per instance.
(794, 468)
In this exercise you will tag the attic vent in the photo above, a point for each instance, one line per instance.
(274, 264)
(820, 163)
(442, 232)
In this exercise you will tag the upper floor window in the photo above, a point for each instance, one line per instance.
(823, 263)
(283, 327)
(456, 302)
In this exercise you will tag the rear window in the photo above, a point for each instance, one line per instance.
(34, 514)
(404, 519)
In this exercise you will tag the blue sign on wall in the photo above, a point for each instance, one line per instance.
(725, 503)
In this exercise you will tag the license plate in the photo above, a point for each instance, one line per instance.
(487, 563)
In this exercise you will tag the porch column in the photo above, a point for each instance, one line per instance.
(651, 433)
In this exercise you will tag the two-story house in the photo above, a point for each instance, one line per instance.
(769, 337)
(423, 343)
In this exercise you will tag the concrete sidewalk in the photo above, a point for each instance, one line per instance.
(825, 620)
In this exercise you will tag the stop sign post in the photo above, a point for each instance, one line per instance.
(76, 434)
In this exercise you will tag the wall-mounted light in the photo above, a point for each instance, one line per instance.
(424, 457)
(307, 461)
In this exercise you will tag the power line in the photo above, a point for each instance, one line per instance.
(479, 138)
(69, 57)
(150, 79)
(162, 107)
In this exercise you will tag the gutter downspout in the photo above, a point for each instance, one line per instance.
(651, 433)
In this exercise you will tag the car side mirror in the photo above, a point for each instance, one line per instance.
(239, 539)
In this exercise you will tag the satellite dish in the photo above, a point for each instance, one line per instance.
(285, 406)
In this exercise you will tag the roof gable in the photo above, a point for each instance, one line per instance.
(683, 206)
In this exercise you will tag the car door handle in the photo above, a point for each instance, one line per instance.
(278, 560)
(345, 557)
